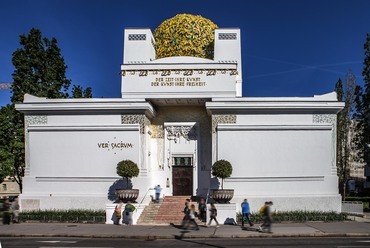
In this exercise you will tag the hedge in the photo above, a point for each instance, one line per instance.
(98, 216)
(300, 216)
(70, 216)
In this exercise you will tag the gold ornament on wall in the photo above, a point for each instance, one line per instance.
(185, 35)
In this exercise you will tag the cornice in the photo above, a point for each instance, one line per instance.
(69, 107)
(300, 106)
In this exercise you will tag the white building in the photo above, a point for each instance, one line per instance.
(176, 117)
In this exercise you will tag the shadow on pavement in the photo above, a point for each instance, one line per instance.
(252, 229)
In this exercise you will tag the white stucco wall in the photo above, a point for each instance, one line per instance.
(287, 158)
(75, 162)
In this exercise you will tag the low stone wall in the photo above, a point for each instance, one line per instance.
(226, 214)
(352, 207)
(109, 210)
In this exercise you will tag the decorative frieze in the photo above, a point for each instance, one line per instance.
(137, 37)
(227, 36)
(157, 131)
(324, 118)
(32, 120)
(185, 72)
(224, 119)
(330, 119)
(36, 120)
(175, 132)
(140, 119)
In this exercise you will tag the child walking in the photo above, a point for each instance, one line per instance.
(213, 214)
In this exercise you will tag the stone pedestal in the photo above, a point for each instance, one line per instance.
(226, 213)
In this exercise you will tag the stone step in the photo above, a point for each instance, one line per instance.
(169, 210)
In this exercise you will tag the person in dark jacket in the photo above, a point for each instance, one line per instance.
(213, 214)
(202, 208)
(6, 212)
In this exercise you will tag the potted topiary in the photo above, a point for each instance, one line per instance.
(222, 169)
(127, 169)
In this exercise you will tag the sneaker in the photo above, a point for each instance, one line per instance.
(218, 226)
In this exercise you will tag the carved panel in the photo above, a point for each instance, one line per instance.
(36, 120)
(325, 118)
(136, 119)
(32, 120)
(225, 119)
(227, 36)
(188, 132)
(331, 119)
(30, 204)
(137, 37)
(157, 131)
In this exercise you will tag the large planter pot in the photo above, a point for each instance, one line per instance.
(127, 194)
(222, 195)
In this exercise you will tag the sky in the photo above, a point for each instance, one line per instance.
(289, 47)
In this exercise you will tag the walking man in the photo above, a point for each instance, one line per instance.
(202, 207)
(186, 212)
(157, 192)
(246, 213)
(266, 217)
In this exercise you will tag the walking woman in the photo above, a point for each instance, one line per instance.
(191, 220)
(118, 212)
(213, 214)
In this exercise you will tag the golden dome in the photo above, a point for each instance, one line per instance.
(185, 35)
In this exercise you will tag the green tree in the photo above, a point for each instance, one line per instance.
(345, 128)
(11, 144)
(362, 116)
(222, 169)
(79, 92)
(127, 169)
(40, 70)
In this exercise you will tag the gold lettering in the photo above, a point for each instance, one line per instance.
(178, 81)
(115, 145)
(103, 145)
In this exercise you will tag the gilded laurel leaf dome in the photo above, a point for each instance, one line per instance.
(185, 35)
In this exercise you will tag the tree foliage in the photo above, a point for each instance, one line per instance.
(362, 116)
(79, 92)
(222, 169)
(345, 128)
(11, 144)
(39, 70)
(127, 169)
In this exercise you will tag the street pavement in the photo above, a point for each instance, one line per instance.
(151, 232)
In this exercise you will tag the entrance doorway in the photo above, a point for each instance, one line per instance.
(182, 175)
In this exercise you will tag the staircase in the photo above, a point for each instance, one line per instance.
(170, 210)
(148, 214)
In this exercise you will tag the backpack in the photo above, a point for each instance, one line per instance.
(262, 210)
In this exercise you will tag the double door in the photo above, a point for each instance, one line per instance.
(182, 176)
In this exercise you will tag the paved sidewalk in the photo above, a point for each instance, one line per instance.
(309, 229)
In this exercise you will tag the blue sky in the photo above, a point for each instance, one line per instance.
(289, 47)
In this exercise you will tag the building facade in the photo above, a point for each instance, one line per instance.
(176, 117)
(9, 188)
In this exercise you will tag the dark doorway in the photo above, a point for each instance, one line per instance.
(182, 176)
